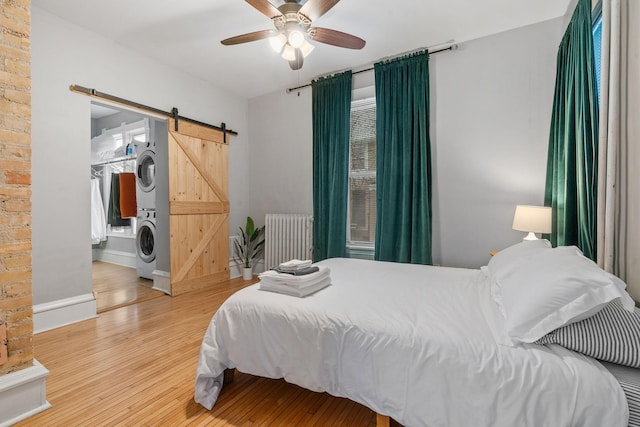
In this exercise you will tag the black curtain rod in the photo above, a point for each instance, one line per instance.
(173, 113)
(452, 47)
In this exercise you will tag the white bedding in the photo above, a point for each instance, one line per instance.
(417, 343)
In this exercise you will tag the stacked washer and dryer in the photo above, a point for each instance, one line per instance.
(146, 201)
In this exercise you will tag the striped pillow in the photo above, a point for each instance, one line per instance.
(612, 335)
(629, 380)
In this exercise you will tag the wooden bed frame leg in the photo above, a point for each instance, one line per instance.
(382, 421)
(228, 376)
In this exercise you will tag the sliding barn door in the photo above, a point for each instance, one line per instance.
(198, 207)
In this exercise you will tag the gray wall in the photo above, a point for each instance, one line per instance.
(281, 154)
(65, 54)
(490, 113)
(119, 244)
(492, 116)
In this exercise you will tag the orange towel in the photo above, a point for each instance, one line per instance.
(128, 206)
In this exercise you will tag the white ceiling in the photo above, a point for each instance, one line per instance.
(186, 34)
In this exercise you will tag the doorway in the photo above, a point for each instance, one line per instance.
(120, 275)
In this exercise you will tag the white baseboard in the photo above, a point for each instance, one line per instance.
(23, 394)
(162, 281)
(125, 259)
(259, 267)
(235, 270)
(51, 315)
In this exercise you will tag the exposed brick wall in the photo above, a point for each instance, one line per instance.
(15, 182)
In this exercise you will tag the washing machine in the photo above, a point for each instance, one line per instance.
(146, 175)
(145, 243)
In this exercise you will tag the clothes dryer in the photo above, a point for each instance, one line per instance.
(145, 243)
(146, 175)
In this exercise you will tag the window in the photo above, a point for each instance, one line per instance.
(362, 174)
(596, 30)
(117, 137)
(126, 134)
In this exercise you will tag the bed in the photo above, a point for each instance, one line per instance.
(423, 345)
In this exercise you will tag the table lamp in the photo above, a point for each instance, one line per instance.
(532, 219)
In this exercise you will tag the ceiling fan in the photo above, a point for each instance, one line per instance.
(293, 29)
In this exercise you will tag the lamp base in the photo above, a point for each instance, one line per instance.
(531, 236)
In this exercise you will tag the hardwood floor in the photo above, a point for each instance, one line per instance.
(116, 286)
(135, 365)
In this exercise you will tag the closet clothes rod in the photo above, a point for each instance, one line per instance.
(111, 161)
(171, 114)
(452, 47)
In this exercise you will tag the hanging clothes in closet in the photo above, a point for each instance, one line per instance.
(98, 220)
(128, 206)
(115, 215)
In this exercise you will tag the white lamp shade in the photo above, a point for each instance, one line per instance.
(306, 48)
(278, 42)
(288, 53)
(532, 219)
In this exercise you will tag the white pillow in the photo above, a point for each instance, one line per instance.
(510, 258)
(505, 261)
(554, 288)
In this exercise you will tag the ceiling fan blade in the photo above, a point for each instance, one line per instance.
(314, 9)
(249, 37)
(265, 8)
(296, 64)
(336, 38)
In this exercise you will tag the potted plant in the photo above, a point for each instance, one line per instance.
(249, 246)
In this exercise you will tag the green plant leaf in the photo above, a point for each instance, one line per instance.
(239, 251)
(250, 226)
(256, 234)
(244, 236)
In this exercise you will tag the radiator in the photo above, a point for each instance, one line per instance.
(287, 236)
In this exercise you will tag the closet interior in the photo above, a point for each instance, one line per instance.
(123, 206)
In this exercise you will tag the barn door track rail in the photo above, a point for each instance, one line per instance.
(171, 114)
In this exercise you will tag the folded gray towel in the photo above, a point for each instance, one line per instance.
(300, 272)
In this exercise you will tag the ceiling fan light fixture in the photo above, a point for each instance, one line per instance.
(293, 31)
(296, 39)
(288, 53)
(306, 48)
(278, 42)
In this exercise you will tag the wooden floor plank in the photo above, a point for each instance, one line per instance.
(135, 365)
(117, 286)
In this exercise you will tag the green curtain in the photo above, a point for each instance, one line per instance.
(572, 176)
(403, 176)
(331, 124)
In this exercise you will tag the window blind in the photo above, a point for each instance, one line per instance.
(362, 173)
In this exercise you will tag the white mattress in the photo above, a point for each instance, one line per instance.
(417, 343)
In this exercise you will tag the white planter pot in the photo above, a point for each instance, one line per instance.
(247, 273)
